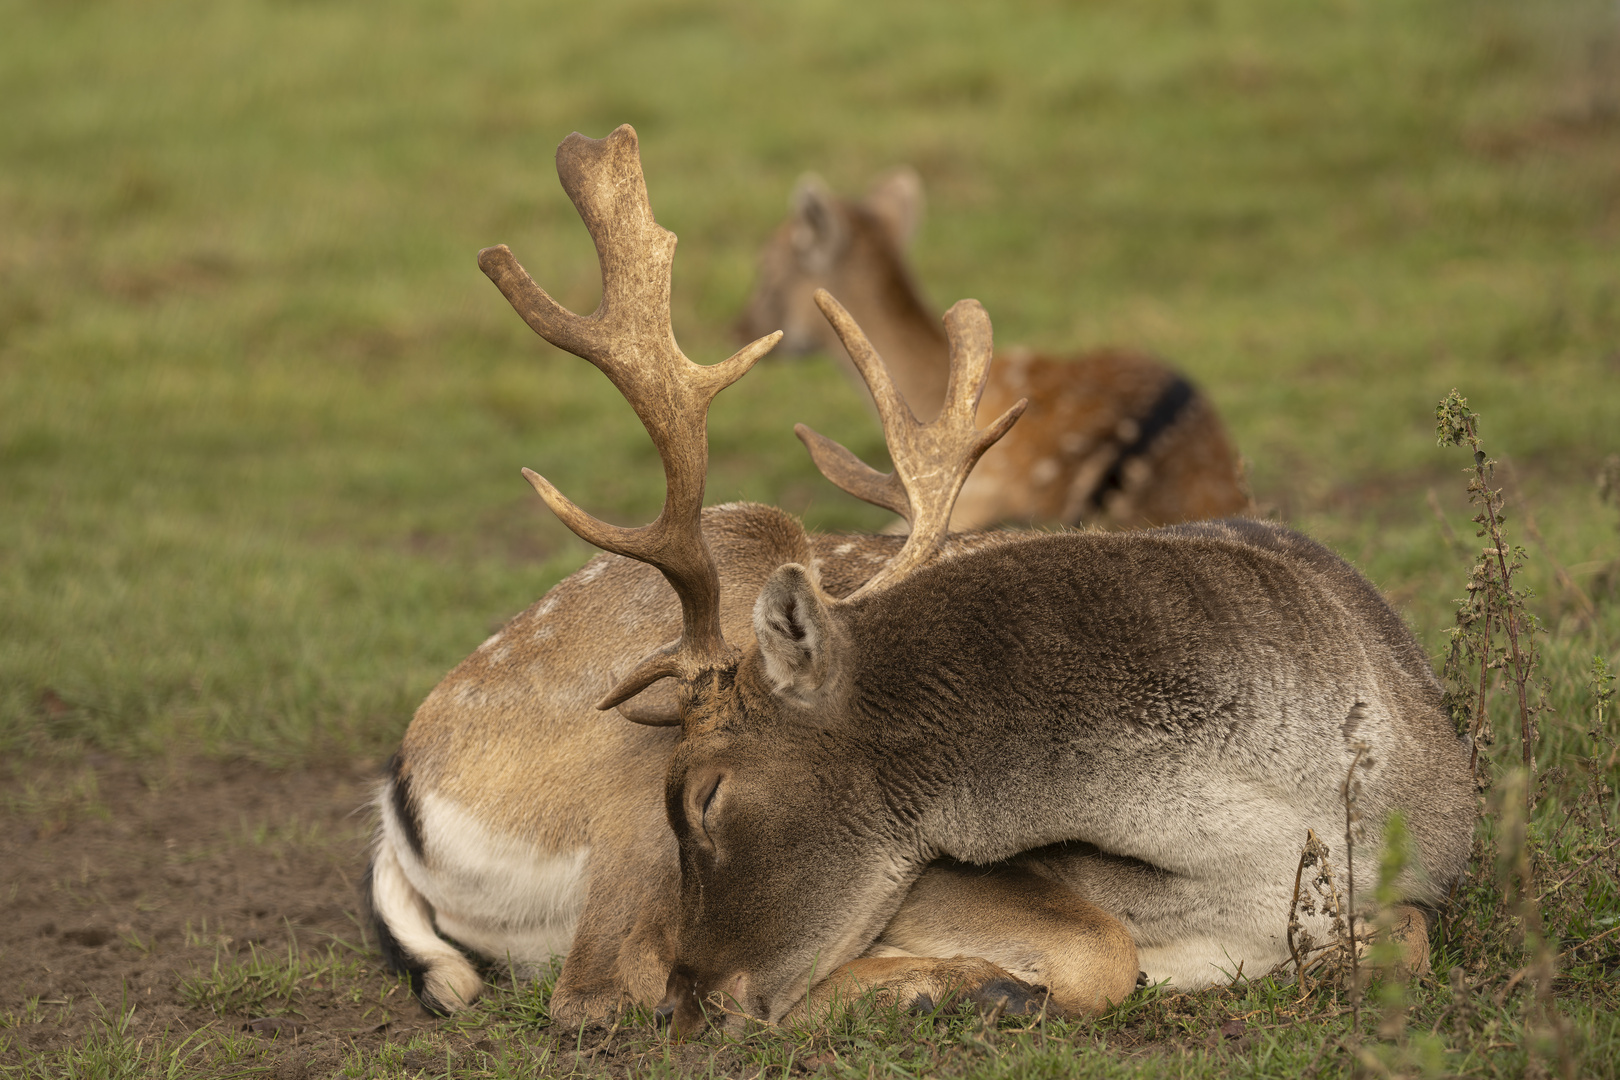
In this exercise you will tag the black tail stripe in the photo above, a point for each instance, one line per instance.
(1175, 397)
(410, 820)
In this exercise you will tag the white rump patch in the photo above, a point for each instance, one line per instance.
(499, 895)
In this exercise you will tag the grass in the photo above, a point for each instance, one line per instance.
(273, 985)
(261, 417)
(1453, 1028)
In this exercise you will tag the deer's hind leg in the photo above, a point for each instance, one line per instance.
(1032, 927)
(1409, 928)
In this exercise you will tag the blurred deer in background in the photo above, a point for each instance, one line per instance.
(518, 822)
(1110, 437)
(1151, 720)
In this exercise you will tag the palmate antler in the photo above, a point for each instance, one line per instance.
(630, 339)
(931, 461)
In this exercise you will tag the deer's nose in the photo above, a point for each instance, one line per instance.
(680, 1006)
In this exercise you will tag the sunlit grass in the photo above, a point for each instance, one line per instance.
(263, 416)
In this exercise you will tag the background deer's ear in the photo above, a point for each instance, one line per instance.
(795, 633)
(819, 232)
(896, 199)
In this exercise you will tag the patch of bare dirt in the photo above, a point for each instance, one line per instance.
(120, 883)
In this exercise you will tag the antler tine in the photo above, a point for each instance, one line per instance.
(931, 461)
(629, 338)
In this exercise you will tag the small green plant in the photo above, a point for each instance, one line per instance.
(271, 984)
(133, 940)
(55, 805)
(112, 1051)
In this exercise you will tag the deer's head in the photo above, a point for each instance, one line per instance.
(852, 248)
(793, 854)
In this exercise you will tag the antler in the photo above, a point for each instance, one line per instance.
(630, 340)
(931, 461)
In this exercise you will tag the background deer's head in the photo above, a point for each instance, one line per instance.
(853, 249)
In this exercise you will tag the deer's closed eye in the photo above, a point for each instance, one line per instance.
(708, 801)
(700, 793)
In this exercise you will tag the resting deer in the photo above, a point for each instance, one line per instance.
(1132, 731)
(1148, 721)
(519, 822)
(1111, 437)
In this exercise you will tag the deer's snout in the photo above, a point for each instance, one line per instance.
(686, 993)
(681, 1006)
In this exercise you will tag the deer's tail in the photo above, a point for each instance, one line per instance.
(441, 977)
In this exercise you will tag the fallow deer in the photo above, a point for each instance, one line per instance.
(1111, 437)
(519, 822)
(1149, 721)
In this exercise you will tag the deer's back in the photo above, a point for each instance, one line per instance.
(1109, 435)
(1164, 695)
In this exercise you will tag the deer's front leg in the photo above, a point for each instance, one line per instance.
(1031, 927)
(919, 984)
(997, 936)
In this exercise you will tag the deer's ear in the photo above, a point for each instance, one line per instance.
(657, 706)
(819, 232)
(896, 199)
(795, 633)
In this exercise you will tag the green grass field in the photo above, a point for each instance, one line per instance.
(261, 417)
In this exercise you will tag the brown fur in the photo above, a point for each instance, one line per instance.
(1410, 929)
(1067, 460)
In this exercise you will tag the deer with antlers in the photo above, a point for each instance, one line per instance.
(517, 822)
(1054, 757)
(1111, 437)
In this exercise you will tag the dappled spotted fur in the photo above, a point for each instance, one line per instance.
(1111, 437)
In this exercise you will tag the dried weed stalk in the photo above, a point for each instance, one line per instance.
(1350, 791)
(1317, 895)
(1494, 629)
(1335, 963)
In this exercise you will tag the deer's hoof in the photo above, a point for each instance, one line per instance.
(1014, 997)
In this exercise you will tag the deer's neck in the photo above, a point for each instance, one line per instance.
(908, 336)
(1058, 667)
